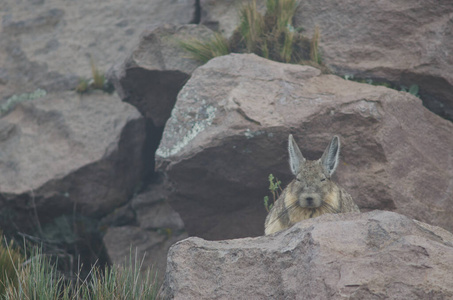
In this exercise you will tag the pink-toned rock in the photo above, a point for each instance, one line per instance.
(230, 125)
(402, 42)
(65, 153)
(376, 255)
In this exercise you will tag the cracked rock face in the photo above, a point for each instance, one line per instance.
(69, 153)
(375, 255)
(404, 42)
(229, 129)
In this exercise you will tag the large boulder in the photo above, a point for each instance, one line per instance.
(64, 153)
(404, 43)
(376, 255)
(48, 44)
(229, 130)
(151, 77)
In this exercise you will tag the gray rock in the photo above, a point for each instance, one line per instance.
(152, 208)
(151, 77)
(64, 152)
(57, 38)
(230, 125)
(155, 228)
(151, 246)
(376, 255)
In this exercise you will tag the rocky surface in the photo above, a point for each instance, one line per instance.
(151, 246)
(67, 152)
(230, 125)
(376, 255)
(154, 227)
(63, 152)
(151, 77)
(402, 42)
(48, 44)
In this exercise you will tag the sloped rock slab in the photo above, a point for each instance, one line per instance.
(402, 42)
(376, 255)
(229, 130)
(65, 152)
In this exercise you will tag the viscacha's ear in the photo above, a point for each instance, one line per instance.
(331, 156)
(296, 159)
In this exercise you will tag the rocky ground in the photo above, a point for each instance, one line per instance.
(181, 149)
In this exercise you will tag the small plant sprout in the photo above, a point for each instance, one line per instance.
(314, 47)
(275, 189)
(98, 76)
(98, 82)
(83, 86)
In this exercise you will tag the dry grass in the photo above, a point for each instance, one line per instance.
(271, 36)
(203, 51)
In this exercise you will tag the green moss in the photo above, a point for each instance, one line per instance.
(16, 99)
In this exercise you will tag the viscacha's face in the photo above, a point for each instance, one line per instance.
(311, 185)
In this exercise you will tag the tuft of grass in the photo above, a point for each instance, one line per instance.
(314, 47)
(204, 51)
(10, 260)
(98, 76)
(251, 26)
(97, 82)
(275, 189)
(271, 36)
(119, 282)
(283, 10)
(38, 278)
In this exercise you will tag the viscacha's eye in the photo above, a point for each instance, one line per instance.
(297, 179)
(323, 179)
